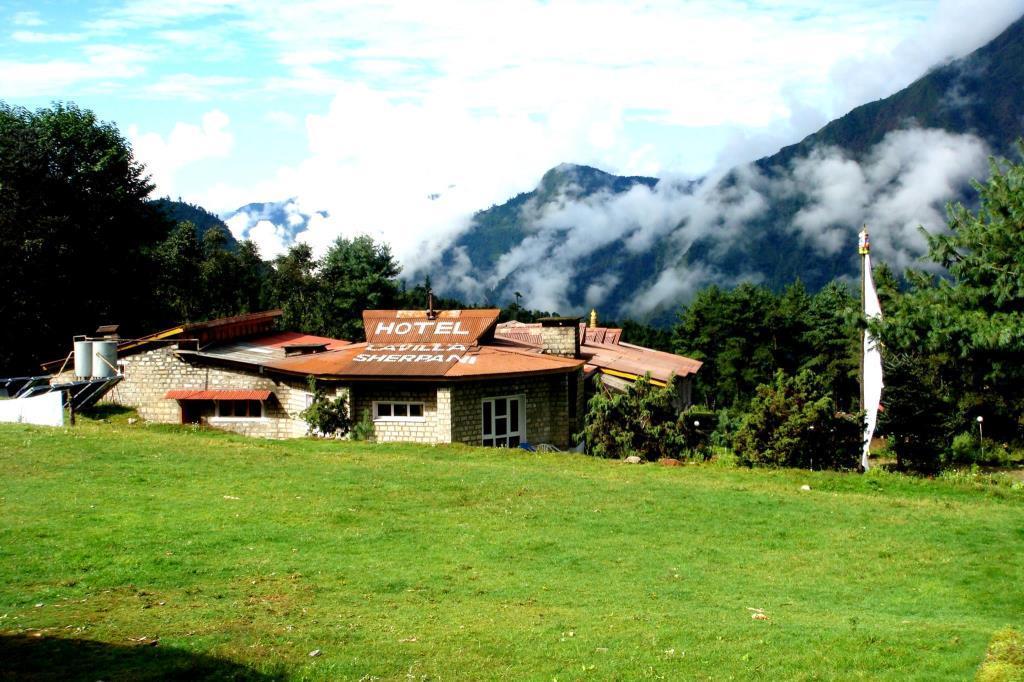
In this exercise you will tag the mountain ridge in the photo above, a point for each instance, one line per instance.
(774, 219)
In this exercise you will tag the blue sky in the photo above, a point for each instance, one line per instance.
(365, 109)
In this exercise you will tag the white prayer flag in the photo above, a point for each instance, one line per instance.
(872, 356)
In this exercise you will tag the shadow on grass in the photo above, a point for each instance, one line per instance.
(107, 412)
(54, 658)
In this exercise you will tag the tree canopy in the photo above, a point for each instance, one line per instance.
(745, 335)
(955, 343)
(75, 230)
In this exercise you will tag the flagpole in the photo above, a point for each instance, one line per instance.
(862, 249)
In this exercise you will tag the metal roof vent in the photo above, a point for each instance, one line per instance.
(294, 349)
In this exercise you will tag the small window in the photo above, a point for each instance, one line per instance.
(397, 411)
(240, 409)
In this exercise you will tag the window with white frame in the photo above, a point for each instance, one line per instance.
(240, 409)
(397, 411)
(504, 424)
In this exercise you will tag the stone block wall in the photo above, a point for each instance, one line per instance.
(434, 427)
(546, 403)
(562, 341)
(149, 374)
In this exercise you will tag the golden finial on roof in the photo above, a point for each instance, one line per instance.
(864, 244)
(593, 318)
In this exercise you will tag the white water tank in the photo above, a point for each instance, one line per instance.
(83, 359)
(104, 362)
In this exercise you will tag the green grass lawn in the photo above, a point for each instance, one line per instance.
(408, 562)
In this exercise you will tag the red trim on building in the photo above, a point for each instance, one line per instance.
(219, 394)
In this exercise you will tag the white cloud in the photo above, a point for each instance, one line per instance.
(282, 119)
(375, 163)
(39, 37)
(486, 95)
(271, 239)
(27, 19)
(56, 76)
(195, 88)
(185, 144)
(902, 183)
(136, 14)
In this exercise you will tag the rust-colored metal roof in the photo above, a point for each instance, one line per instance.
(636, 361)
(209, 331)
(414, 361)
(259, 350)
(284, 339)
(461, 327)
(603, 349)
(219, 330)
(217, 394)
(529, 332)
(608, 335)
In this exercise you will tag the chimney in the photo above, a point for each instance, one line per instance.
(560, 336)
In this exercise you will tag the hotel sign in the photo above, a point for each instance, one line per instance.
(411, 342)
(416, 352)
(421, 328)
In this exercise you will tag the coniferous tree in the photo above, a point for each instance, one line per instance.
(291, 286)
(956, 343)
(355, 275)
(179, 272)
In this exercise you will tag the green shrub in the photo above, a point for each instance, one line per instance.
(326, 416)
(727, 423)
(793, 423)
(363, 429)
(964, 449)
(644, 421)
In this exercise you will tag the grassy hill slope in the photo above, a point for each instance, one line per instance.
(405, 562)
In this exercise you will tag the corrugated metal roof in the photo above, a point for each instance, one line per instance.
(284, 339)
(423, 362)
(601, 335)
(603, 349)
(494, 361)
(259, 350)
(217, 394)
(637, 360)
(208, 331)
(221, 329)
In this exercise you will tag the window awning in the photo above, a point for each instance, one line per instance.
(218, 394)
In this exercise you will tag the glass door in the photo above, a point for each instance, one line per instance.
(503, 422)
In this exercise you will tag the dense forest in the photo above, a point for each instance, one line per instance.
(83, 244)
